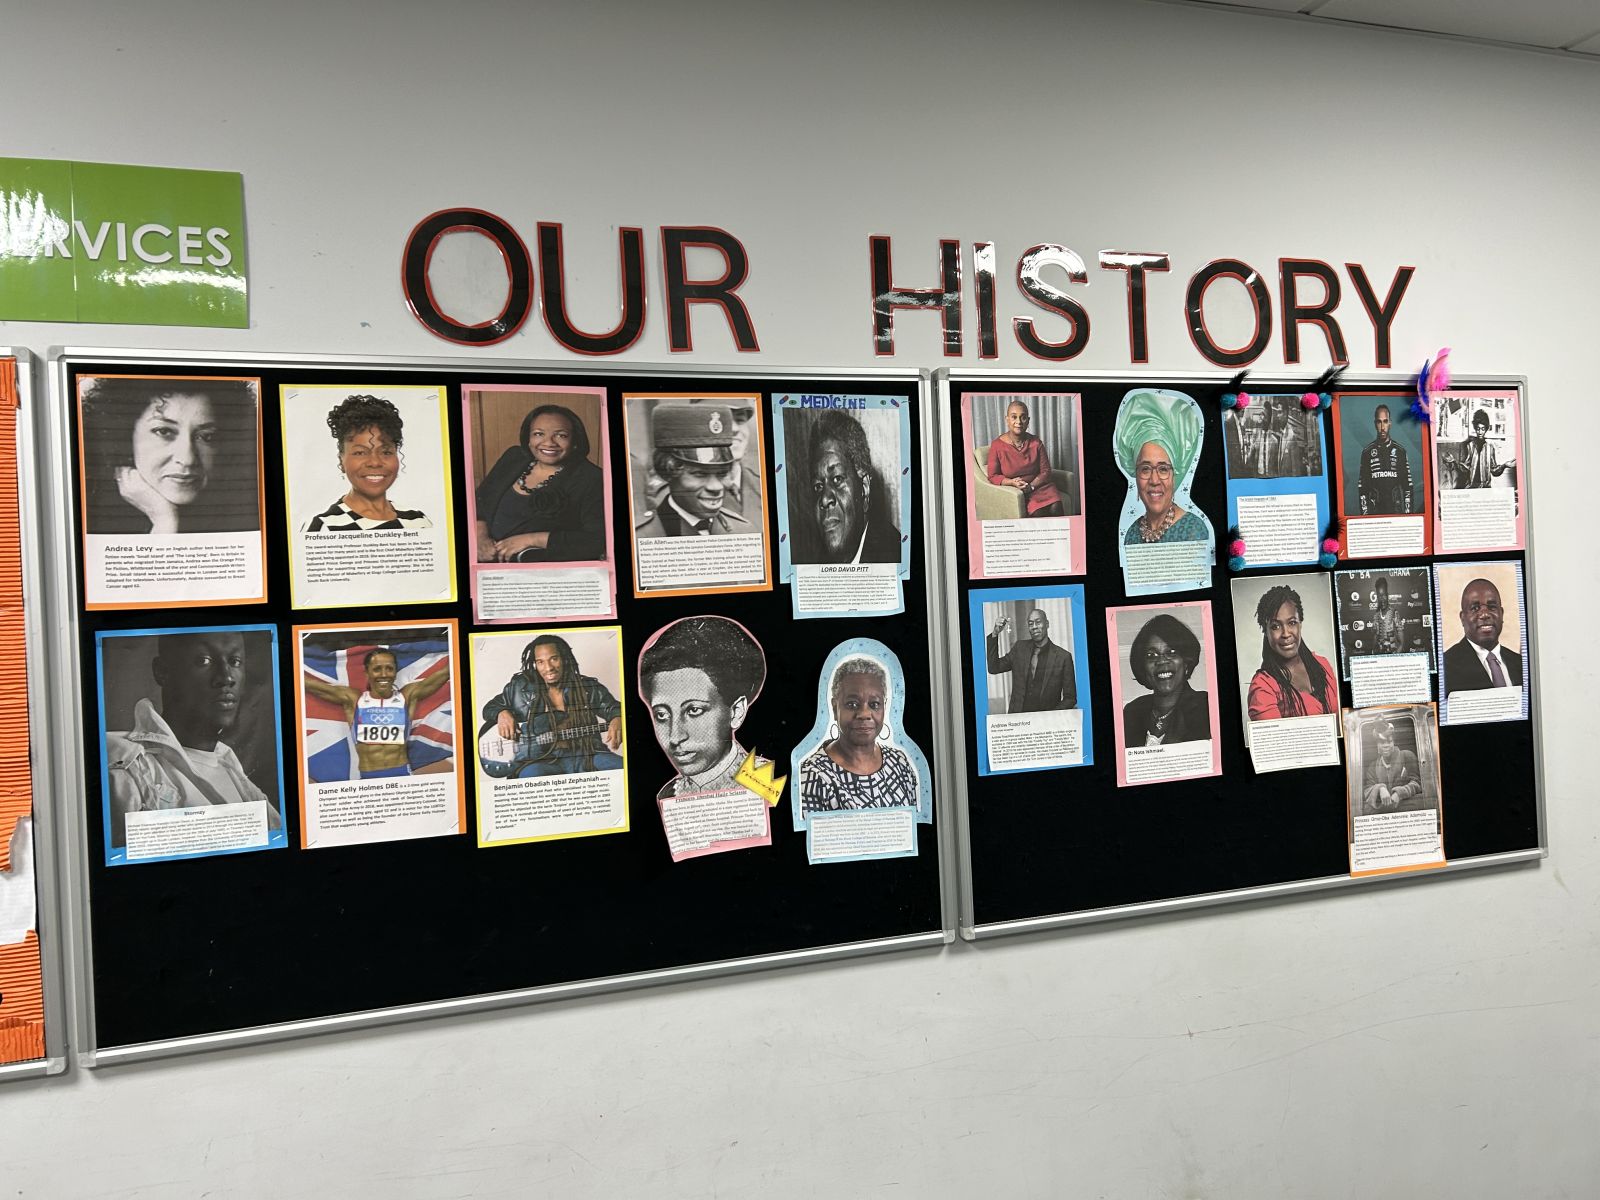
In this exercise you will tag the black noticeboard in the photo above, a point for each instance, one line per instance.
(1065, 845)
(188, 952)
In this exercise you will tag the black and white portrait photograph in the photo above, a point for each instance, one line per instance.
(1273, 437)
(189, 720)
(1476, 446)
(170, 473)
(699, 518)
(1394, 760)
(170, 455)
(842, 473)
(1028, 655)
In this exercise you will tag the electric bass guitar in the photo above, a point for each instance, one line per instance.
(536, 741)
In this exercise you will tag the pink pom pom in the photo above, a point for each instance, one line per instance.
(1236, 548)
(1244, 399)
(1310, 400)
(1330, 545)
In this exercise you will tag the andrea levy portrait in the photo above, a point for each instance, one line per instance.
(367, 491)
(1166, 544)
(696, 498)
(170, 486)
(1023, 479)
(189, 721)
(540, 502)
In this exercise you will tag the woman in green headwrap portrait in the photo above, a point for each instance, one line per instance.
(1157, 441)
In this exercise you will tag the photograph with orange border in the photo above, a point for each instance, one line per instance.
(171, 490)
(1394, 793)
(697, 492)
(379, 759)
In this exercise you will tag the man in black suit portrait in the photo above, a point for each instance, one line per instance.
(1042, 677)
(852, 518)
(1478, 660)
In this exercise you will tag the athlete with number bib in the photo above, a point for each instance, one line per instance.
(381, 715)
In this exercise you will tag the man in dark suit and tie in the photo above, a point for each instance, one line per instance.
(1042, 677)
(1478, 660)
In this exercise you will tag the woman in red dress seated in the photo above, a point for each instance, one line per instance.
(1017, 459)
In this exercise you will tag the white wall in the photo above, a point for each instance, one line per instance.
(1432, 1039)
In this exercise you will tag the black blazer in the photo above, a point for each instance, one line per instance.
(1464, 670)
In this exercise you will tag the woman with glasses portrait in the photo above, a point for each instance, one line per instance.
(1164, 655)
(1157, 443)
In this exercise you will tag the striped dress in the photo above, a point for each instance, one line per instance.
(338, 518)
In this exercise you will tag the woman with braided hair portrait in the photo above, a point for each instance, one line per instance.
(556, 719)
(369, 433)
(1292, 680)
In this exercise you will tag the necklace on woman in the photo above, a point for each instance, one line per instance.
(527, 489)
(1167, 522)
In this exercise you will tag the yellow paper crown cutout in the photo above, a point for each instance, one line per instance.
(757, 777)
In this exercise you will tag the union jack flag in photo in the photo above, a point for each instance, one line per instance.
(330, 746)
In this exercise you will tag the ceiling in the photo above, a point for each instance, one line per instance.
(1567, 27)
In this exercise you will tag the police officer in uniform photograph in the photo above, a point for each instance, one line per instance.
(692, 465)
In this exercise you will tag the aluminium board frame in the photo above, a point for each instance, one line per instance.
(54, 943)
(65, 708)
(955, 758)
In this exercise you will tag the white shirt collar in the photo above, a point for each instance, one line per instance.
(1483, 659)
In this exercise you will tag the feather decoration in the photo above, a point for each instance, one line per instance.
(1433, 379)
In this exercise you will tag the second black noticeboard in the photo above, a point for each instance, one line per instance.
(1049, 844)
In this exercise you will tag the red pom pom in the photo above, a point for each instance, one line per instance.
(1330, 545)
(1310, 400)
(1236, 548)
(1244, 399)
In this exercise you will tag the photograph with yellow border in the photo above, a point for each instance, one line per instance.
(366, 472)
(552, 735)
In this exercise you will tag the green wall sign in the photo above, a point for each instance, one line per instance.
(99, 242)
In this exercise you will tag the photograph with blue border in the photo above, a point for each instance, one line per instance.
(1275, 460)
(1031, 707)
(843, 471)
(857, 776)
(191, 736)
